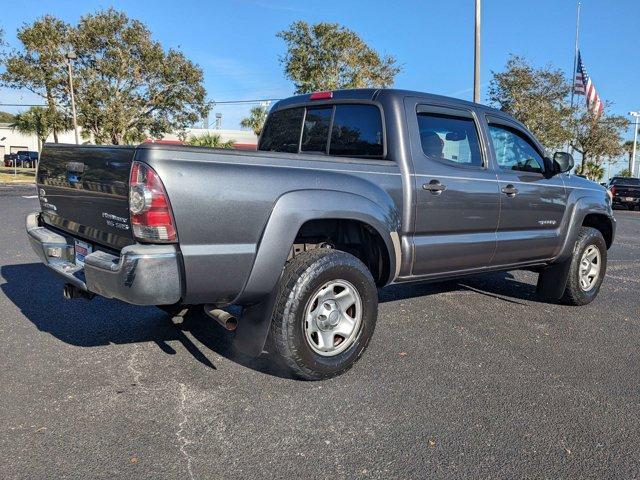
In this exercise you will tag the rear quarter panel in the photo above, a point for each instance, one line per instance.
(222, 201)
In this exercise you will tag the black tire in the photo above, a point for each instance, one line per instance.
(574, 294)
(303, 276)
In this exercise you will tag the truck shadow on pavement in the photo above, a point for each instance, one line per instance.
(37, 292)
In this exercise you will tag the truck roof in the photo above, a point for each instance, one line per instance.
(377, 93)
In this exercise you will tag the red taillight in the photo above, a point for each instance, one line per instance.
(321, 96)
(151, 216)
(613, 191)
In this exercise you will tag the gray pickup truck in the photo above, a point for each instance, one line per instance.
(349, 191)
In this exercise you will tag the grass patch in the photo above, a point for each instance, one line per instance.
(22, 175)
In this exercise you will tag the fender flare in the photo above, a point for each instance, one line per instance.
(295, 208)
(552, 280)
(290, 212)
(580, 208)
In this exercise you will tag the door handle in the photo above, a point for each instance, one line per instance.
(435, 187)
(510, 190)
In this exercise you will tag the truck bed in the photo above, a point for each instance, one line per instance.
(221, 200)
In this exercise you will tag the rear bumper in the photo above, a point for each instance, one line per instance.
(141, 275)
(633, 201)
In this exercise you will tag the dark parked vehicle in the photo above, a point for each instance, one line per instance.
(349, 191)
(625, 192)
(27, 159)
(22, 158)
(9, 159)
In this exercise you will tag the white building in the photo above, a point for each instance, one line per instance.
(12, 141)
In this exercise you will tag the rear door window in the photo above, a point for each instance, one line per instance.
(282, 131)
(315, 132)
(357, 131)
(450, 139)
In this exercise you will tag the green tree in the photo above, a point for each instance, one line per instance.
(328, 56)
(537, 97)
(255, 120)
(592, 170)
(6, 117)
(212, 140)
(598, 137)
(38, 121)
(129, 87)
(39, 66)
(628, 148)
(625, 172)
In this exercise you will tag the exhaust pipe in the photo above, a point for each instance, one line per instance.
(71, 291)
(227, 320)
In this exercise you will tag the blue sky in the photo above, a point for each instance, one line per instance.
(234, 41)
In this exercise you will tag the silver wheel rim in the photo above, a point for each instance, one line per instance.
(590, 264)
(332, 318)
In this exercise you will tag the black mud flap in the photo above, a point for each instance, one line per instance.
(253, 326)
(552, 281)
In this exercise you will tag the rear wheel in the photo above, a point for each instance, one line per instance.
(325, 313)
(588, 266)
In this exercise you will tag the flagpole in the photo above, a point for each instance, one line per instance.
(575, 65)
(575, 54)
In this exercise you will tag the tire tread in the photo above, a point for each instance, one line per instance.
(288, 303)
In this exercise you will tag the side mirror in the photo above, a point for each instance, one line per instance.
(563, 161)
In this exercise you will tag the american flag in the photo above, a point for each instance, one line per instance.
(584, 86)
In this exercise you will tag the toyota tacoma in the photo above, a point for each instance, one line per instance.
(348, 192)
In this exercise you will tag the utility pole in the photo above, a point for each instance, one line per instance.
(70, 57)
(632, 167)
(476, 55)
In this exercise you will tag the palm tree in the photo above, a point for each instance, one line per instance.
(39, 121)
(592, 170)
(628, 147)
(212, 140)
(255, 120)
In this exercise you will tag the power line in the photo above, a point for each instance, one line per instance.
(260, 100)
(214, 102)
(21, 105)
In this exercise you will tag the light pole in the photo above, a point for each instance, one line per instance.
(632, 167)
(476, 55)
(70, 57)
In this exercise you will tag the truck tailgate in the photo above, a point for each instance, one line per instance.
(84, 189)
(630, 191)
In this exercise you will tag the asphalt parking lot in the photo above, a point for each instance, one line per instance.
(474, 378)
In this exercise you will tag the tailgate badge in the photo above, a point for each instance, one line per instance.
(115, 221)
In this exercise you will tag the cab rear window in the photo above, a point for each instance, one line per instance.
(356, 131)
(282, 131)
(627, 181)
(353, 130)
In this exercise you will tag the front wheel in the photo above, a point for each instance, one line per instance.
(325, 313)
(588, 266)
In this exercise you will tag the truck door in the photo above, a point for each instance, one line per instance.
(456, 191)
(532, 204)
